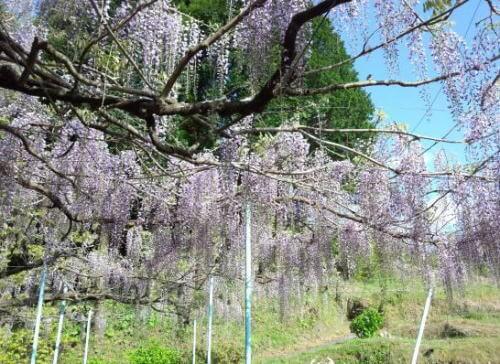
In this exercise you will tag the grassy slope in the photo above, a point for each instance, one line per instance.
(476, 314)
(307, 335)
(397, 350)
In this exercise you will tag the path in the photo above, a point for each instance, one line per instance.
(306, 349)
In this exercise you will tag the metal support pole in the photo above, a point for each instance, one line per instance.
(210, 314)
(194, 342)
(87, 337)
(39, 309)
(248, 285)
(422, 326)
(62, 310)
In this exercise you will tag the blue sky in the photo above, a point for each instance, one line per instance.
(405, 105)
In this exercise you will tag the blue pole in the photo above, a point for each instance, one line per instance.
(87, 337)
(248, 285)
(210, 314)
(62, 310)
(194, 342)
(39, 308)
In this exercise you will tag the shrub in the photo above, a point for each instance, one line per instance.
(16, 347)
(155, 354)
(226, 353)
(374, 355)
(222, 353)
(367, 323)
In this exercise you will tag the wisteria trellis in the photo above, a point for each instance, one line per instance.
(148, 222)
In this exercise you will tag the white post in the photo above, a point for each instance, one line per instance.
(210, 313)
(248, 285)
(87, 337)
(194, 342)
(39, 309)
(62, 310)
(422, 326)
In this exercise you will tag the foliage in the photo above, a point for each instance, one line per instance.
(222, 353)
(327, 111)
(211, 12)
(15, 347)
(367, 323)
(153, 353)
(374, 355)
(437, 6)
(350, 109)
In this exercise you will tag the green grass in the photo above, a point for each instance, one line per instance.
(397, 350)
(313, 322)
(475, 312)
(302, 337)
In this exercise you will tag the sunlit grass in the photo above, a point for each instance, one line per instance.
(306, 332)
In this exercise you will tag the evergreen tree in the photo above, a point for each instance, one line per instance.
(347, 109)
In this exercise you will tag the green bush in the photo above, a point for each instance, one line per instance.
(226, 353)
(222, 353)
(155, 354)
(367, 323)
(16, 347)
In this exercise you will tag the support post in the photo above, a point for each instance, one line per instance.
(39, 309)
(248, 285)
(62, 310)
(87, 337)
(422, 327)
(194, 342)
(210, 314)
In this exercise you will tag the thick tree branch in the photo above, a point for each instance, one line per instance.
(12, 270)
(31, 61)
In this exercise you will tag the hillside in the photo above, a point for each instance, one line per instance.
(464, 331)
